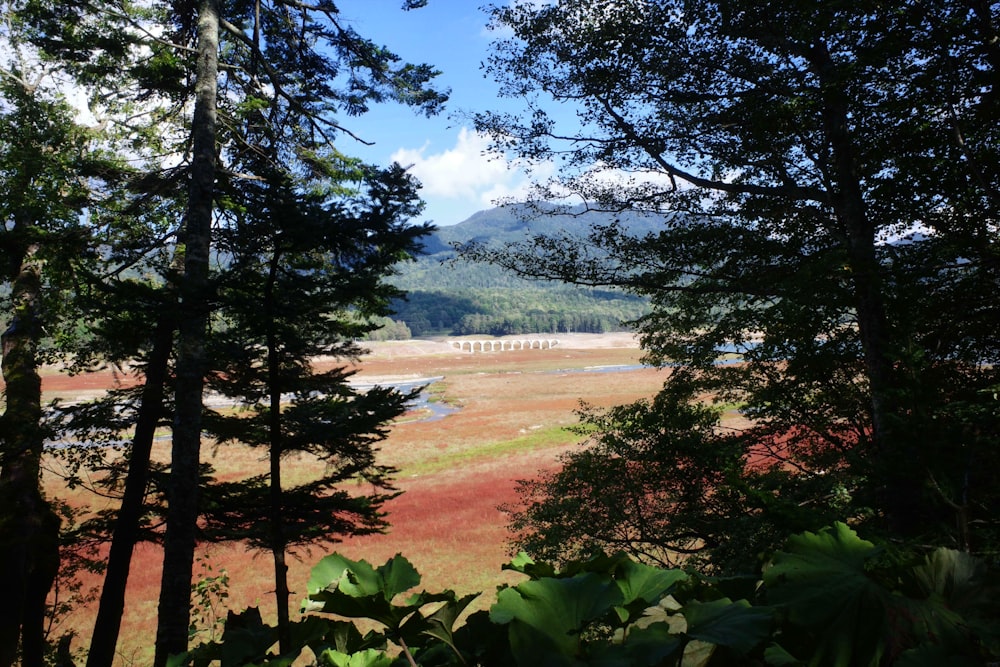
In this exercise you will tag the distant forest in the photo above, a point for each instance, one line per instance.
(500, 312)
(447, 296)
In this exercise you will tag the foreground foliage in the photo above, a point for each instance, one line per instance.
(827, 598)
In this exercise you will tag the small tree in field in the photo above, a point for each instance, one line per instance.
(306, 267)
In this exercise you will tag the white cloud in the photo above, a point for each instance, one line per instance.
(604, 175)
(468, 171)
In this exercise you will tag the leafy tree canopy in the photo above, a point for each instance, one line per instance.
(831, 173)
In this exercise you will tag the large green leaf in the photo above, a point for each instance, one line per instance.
(817, 572)
(961, 581)
(329, 570)
(820, 584)
(376, 607)
(778, 656)
(397, 576)
(727, 623)
(546, 616)
(246, 639)
(320, 634)
(525, 564)
(441, 623)
(360, 579)
(958, 600)
(366, 658)
(652, 645)
(484, 641)
(645, 582)
(642, 585)
(357, 590)
(952, 575)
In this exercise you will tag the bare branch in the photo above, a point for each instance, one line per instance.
(653, 151)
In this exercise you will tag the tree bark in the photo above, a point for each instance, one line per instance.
(281, 592)
(898, 491)
(182, 498)
(29, 529)
(104, 640)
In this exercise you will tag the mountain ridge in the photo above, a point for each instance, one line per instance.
(447, 295)
(519, 222)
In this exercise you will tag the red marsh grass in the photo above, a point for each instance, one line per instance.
(514, 408)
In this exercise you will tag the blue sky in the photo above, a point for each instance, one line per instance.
(443, 152)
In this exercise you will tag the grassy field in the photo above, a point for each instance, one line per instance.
(514, 408)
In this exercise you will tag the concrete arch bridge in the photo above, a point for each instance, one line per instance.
(502, 345)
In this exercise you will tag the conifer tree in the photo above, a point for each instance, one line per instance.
(53, 172)
(306, 270)
(277, 55)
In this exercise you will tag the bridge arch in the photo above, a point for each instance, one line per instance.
(503, 345)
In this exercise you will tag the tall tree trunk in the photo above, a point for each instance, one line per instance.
(29, 529)
(182, 494)
(104, 640)
(898, 490)
(281, 592)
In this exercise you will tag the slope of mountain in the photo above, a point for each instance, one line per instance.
(447, 295)
(515, 223)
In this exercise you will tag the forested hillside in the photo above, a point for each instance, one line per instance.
(450, 295)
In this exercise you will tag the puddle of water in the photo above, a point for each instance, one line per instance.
(437, 410)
